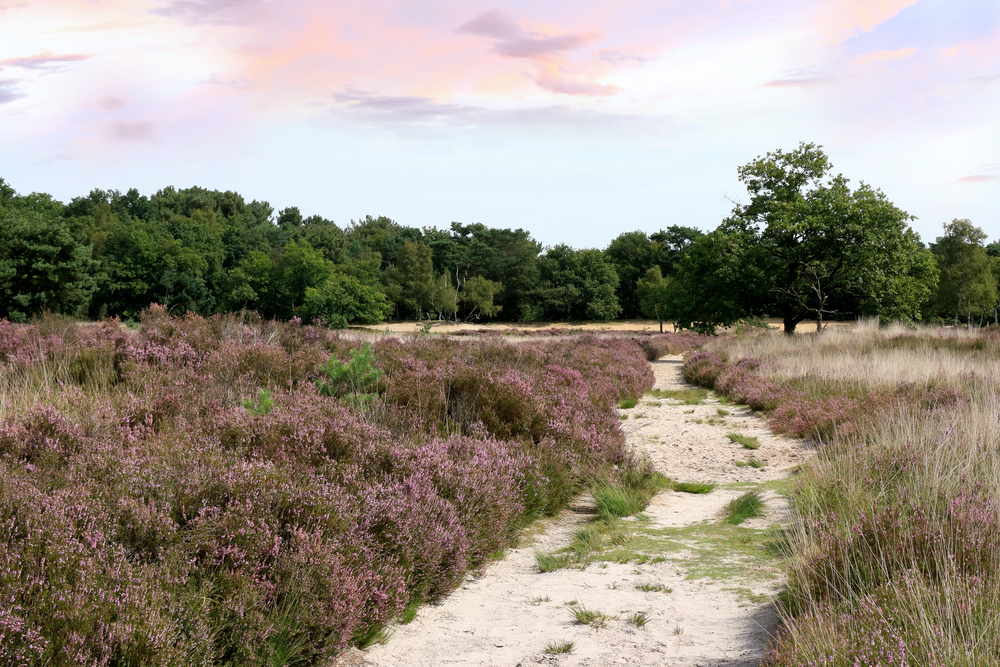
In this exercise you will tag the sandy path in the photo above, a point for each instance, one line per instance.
(719, 577)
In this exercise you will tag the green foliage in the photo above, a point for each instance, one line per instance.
(748, 442)
(559, 648)
(617, 502)
(552, 562)
(694, 487)
(343, 299)
(693, 396)
(42, 265)
(632, 254)
(261, 405)
(748, 506)
(357, 376)
(654, 295)
(638, 619)
(478, 294)
(576, 285)
(591, 617)
(806, 245)
(967, 284)
(410, 281)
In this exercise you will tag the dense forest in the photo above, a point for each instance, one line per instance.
(805, 246)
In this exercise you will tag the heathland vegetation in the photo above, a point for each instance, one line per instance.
(894, 551)
(234, 491)
(805, 246)
(225, 481)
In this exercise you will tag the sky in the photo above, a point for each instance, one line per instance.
(575, 120)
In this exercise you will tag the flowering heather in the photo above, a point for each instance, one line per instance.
(150, 515)
(896, 546)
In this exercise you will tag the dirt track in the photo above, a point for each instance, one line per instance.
(716, 579)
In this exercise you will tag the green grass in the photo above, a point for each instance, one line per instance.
(591, 617)
(748, 506)
(694, 487)
(616, 502)
(410, 610)
(687, 396)
(652, 587)
(715, 550)
(627, 403)
(638, 619)
(722, 412)
(748, 442)
(752, 462)
(552, 562)
(535, 601)
(561, 647)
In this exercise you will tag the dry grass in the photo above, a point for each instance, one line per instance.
(896, 548)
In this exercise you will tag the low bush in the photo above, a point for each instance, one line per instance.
(214, 491)
(894, 549)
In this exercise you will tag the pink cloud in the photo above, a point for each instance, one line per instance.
(44, 60)
(550, 53)
(132, 131)
(980, 178)
(557, 84)
(219, 12)
(616, 57)
(515, 42)
(8, 93)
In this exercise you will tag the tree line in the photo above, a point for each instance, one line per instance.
(805, 246)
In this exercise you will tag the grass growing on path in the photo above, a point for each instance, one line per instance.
(748, 506)
(694, 487)
(748, 441)
(687, 396)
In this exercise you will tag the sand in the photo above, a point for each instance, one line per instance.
(718, 611)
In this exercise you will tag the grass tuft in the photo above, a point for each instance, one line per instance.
(638, 619)
(410, 610)
(748, 506)
(617, 502)
(627, 403)
(561, 647)
(694, 487)
(652, 587)
(591, 617)
(748, 442)
(552, 562)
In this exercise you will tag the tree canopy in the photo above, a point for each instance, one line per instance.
(804, 245)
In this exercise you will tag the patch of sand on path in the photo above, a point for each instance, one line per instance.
(716, 611)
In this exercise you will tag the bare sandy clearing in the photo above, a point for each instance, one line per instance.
(613, 326)
(702, 585)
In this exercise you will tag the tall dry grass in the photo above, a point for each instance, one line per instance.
(895, 552)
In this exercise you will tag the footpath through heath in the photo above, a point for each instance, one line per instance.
(677, 586)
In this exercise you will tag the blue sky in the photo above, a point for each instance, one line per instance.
(577, 121)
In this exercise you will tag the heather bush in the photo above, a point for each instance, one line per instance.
(895, 551)
(186, 494)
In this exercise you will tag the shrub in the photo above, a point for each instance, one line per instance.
(205, 502)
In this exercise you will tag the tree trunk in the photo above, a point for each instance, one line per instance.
(790, 326)
(661, 326)
(819, 323)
